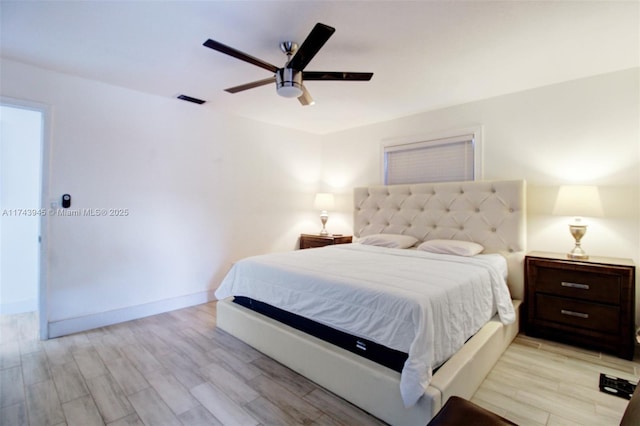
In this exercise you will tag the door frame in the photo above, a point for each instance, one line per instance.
(43, 252)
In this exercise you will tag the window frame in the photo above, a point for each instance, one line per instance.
(435, 139)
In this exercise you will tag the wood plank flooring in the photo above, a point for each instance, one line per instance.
(537, 382)
(178, 369)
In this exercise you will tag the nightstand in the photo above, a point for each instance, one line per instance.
(583, 302)
(316, 240)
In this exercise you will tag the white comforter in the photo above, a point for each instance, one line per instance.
(423, 304)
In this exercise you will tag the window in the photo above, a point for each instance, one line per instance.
(442, 158)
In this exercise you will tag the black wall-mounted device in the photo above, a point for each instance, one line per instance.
(66, 201)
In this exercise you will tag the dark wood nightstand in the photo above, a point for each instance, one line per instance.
(584, 302)
(316, 240)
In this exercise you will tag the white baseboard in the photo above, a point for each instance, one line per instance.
(103, 319)
(27, 305)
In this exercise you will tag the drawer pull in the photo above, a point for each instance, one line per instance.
(575, 285)
(574, 314)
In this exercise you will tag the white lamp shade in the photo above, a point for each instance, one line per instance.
(578, 201)
(324, 201)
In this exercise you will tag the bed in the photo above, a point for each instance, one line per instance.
(488, 213)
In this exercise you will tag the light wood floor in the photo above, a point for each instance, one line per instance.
(177, 368)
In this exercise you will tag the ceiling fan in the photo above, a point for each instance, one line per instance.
(289, 79)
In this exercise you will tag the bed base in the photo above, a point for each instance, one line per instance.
(374, 388)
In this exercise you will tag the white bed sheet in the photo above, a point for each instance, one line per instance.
(424, 304)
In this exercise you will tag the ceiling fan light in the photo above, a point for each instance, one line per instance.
(289, 91)
(289, 83)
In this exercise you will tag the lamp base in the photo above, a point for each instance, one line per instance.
(578, 232)
(323, 218)
(572, 255)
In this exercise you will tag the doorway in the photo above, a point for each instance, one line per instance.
(23, 214)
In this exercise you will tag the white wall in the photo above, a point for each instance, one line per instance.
(202, 189)
(20, 177)
(582, 131)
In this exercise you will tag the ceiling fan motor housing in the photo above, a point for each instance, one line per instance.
(289, 82)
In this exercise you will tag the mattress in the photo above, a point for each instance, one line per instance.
(424, 304)
(368, 349)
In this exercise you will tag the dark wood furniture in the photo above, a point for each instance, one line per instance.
(458, 411)
(583, 302)
(631, 416)
(316, 240)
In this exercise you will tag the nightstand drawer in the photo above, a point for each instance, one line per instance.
(311, 243)
(314, 240)
(577, 313)
(601, 288)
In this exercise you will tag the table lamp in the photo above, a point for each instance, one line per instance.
(324, 201)
(578, 201)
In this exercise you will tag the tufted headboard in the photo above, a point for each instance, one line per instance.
(491, 213)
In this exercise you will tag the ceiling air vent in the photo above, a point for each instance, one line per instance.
(190, 99)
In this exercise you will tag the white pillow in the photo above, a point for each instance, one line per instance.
(389, 240)
(457, 247)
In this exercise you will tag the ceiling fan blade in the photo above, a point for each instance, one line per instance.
(305, 99)
(212, 44)
(251, 85)
(337, 75)
(311, 45)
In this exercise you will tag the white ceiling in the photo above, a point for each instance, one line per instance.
(424, 54)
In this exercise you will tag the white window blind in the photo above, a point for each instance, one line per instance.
(441, 160)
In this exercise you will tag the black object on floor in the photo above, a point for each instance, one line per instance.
(616, 386)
